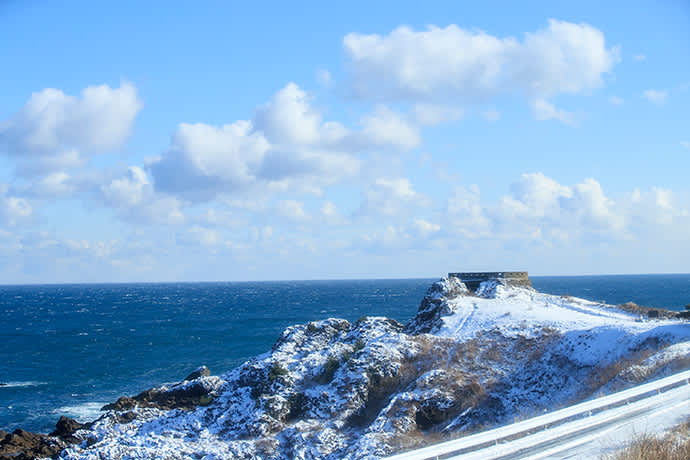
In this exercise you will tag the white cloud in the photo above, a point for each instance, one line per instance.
(55, 127)
(640, 57)
(204, 236)
(468, 65)
(387, 238)
(544, 110)
(12, 208)
(386, 127)
(465, 213)
(685, 144)
(288, 118)
(389, 196)
(128, 190)
(292, 209)
(541, 207)
(134, 198)
(204, 159)
(53, 185)
(658, 207)
(593, 207)
(432, 114)
(328, 209)
(425, 228)
(287, 146)
(615, 100)
(534, 196)
(655, 96)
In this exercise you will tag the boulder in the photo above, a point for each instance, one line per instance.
(66, 427)
(122, 403)
(23, 445)
(200, 372)
(184, 395)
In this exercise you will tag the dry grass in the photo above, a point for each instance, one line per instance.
(648, 447)
(632, 307)
(600, 376)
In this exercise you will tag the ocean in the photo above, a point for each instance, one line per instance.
(69, 349)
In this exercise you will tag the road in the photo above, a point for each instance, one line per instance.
(592, 437)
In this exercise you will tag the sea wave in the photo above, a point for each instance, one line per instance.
(82, 413)
(21, 384)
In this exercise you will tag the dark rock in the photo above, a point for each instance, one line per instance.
(3, 384)
(683, 315)
(434, 305)
(125, 417)
(23, 445)
(178, 397)
(66, 427)
(653, 314)
(123, 403)
(200, 372)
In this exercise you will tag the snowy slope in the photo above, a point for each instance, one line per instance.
(467, 361)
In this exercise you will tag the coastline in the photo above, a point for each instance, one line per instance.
(197, 396)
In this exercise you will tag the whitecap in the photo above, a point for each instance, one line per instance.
(82, 413)
(20, 384)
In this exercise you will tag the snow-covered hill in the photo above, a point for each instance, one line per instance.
(331, 389)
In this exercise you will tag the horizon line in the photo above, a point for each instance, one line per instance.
(68, 283)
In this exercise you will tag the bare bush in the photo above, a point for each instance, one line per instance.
(648, 447)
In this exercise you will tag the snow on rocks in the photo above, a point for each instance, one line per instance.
(331, 389)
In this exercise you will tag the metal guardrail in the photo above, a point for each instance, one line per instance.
(525, 427)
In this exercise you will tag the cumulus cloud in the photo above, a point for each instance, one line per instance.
(286, 146)
(288, 118)
(203, 158)
(469, 65)
(57, 128)
(386, 127)
(657, 206)
(655, 96)
(133, 197)
(465, 213)
(389, 196)
(540, 210)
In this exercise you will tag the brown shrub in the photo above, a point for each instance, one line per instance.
(632, 307)
(647, 447)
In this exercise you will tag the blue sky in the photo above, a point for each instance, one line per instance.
(227, 141)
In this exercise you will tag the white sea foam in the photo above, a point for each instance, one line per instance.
(20, 384)
(85, 412)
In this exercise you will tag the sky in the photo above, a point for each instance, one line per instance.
(231, 141)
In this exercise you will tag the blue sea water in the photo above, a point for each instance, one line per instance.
(69, 349)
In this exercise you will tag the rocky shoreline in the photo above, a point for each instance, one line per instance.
(185, 395)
